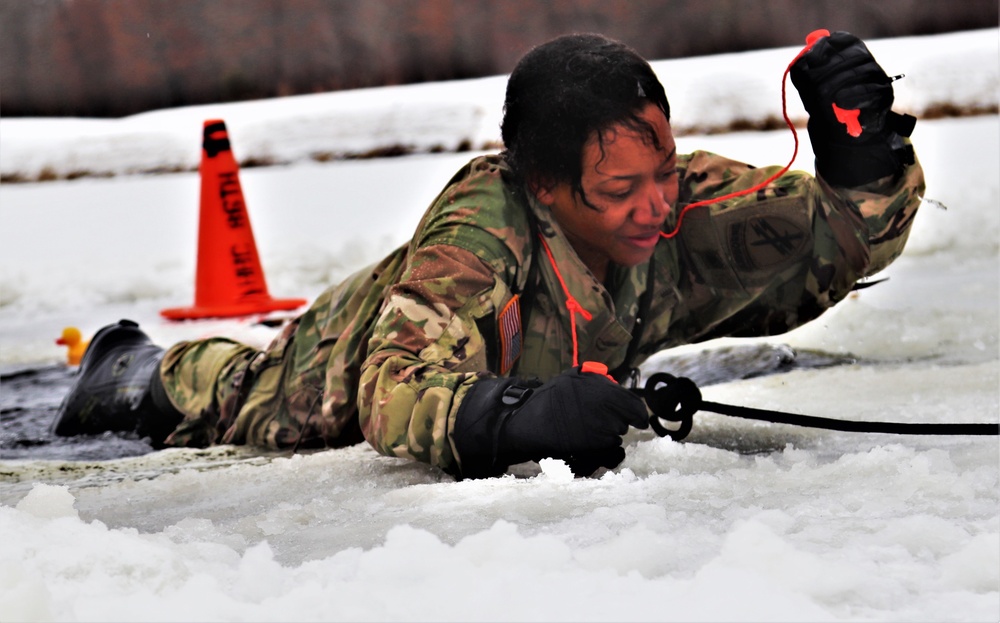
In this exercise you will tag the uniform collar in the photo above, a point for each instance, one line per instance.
(614, 311)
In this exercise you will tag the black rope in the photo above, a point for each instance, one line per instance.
(898, 428)
(677, 399)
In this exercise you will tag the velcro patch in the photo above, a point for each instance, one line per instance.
(509, 325)
(764, 241)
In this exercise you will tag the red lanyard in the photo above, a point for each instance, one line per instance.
(810, 40)
(572, 304)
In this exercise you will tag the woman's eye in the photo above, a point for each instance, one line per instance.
(666, 175)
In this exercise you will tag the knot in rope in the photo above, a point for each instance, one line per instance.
(572, 305)
(672, 399)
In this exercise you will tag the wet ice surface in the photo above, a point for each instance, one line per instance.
(32, 394)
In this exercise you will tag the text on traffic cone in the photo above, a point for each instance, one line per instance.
(229, 279)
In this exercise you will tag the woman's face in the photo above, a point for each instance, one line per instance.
(633, 185)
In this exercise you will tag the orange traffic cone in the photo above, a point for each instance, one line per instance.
(230, 280)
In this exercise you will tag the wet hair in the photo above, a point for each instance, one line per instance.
(566, 91)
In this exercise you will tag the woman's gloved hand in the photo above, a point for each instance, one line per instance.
(856, 137)
(578, 417)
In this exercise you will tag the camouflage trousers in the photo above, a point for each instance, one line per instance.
(300, 392)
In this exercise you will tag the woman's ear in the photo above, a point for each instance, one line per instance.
(542, 192)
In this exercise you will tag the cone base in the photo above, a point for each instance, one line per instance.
(232, 310)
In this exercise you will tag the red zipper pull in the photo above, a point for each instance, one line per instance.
(596, 367)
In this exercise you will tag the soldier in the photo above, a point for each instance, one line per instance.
(463, 348)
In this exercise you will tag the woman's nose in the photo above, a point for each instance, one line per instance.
(653, 207)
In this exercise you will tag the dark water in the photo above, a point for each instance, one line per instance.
(30, 397)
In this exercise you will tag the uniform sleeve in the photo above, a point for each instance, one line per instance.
(426, 350)
(773, 260)
(888, 207)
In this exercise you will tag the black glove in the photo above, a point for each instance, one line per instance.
(857, 139)
(578, 417)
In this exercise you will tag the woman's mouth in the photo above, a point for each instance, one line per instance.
(644, 241)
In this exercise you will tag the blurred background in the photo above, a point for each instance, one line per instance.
(110, 58)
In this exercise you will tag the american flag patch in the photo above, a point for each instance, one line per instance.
(509, 323)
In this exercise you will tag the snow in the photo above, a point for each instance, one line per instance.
(741, 521)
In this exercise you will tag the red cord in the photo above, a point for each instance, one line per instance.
(810, 40)
(572, 304)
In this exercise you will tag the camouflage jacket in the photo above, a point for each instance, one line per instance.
(756, 265)
(471, 295)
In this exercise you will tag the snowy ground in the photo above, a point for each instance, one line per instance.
(742, 521)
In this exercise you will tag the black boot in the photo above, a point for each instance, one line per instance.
(119, 388)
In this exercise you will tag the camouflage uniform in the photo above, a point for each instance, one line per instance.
(390, 353)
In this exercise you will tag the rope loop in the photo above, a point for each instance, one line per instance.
(676, 400)
(672, 399)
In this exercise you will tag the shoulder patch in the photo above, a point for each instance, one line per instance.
(509, 325)
(744, 246)
(765, 241)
